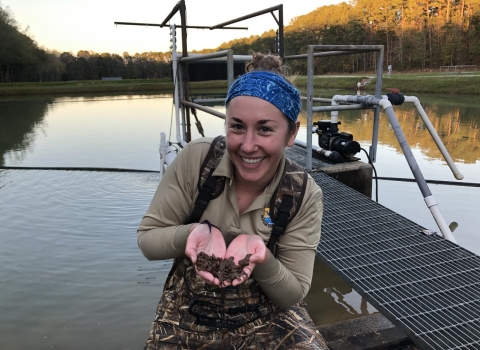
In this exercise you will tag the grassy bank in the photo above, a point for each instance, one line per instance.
(99, 86)
(408, 83)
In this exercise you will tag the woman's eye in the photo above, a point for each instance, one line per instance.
(265, 129)
(236, 127)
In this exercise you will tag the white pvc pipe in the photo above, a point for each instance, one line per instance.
(429, 200)
(170, 156)
(436, 138)
(167, 153)
(437, 215)
(314, 148)
(163, 151)
(422, 184)
(334, 114)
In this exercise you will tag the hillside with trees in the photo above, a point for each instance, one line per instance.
(20, 57)
(23, 60)
(417, 35)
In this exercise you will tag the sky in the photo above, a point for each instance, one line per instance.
(73, 25)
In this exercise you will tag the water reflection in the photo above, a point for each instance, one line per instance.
(98, 131)
(330, 299)
(20, 122)
(127, 118)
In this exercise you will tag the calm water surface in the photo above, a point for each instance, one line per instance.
(71, 273)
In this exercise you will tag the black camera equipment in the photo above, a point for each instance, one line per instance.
(341, 145)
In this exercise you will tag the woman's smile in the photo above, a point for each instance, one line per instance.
(252, 161)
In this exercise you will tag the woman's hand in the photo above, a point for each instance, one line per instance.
(208, 239)
(247, 244)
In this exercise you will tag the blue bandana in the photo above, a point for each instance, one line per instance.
(270, 87)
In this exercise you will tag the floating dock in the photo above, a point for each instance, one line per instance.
(427, 286)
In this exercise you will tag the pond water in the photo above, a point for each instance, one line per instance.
(71, 273)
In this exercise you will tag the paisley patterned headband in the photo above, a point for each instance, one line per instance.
(270, 87)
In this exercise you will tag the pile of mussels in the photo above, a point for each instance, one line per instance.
(223, 269)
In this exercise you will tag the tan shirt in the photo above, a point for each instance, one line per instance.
(285, 278)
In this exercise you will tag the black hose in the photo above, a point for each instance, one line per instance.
(375, 171)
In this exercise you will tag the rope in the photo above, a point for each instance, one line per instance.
(78, 169)
(120, 170)
(437, 182)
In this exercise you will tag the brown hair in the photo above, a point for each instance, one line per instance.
(270, 63)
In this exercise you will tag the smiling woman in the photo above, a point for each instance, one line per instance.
(257, 134)
(265, 207)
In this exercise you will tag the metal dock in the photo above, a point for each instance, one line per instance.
(426, 285)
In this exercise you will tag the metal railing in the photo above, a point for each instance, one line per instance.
(179, 99)
(458, 69)
(225, 53)
(346, 102)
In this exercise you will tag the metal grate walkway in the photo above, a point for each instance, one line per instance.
(427, 286)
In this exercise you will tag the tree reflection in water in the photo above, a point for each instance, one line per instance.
(456, 124)
(20, 121)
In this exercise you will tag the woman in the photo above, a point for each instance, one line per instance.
(262, 308)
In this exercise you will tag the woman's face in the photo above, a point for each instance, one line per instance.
(256, 135)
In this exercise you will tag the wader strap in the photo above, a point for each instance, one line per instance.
(281, 222)
(203, 198)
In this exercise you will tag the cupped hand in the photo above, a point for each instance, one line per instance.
(208, 239)
(247, 244)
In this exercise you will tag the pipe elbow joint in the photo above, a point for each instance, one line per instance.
(383, 103)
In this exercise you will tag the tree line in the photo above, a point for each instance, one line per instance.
(416, 34)
(88, 65)
(21, 59)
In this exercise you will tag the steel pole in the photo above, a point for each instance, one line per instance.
(281, 37)
(376, 113)
(230, 74)
(309, 106)
(184, 67)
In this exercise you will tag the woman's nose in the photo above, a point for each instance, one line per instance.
(249, 144)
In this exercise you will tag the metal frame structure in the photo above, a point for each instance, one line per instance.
(336, 50)
(181, 99)
(183, 72)
(412, 162)
(365, 102)
(180, 76)
(338, 102)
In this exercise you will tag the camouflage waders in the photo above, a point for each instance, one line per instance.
(194, 315)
